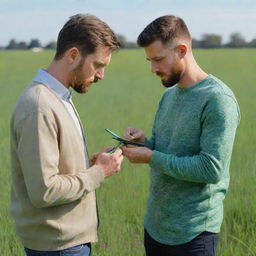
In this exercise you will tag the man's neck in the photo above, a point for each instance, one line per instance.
(57, 70)
(192, 75)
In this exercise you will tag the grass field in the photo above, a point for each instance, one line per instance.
(129, 96)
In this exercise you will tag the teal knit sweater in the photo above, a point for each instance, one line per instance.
(192, 141)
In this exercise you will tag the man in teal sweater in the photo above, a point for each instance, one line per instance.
(190, 148)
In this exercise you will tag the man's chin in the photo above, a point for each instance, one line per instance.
(81, 89)
(165, 84)
(168, 84)
(85, 90)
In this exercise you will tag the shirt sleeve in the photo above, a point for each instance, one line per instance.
(38, 151)
(219, 121)
(150, 142)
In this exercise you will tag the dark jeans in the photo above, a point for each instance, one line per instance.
(79, 250)
(203, 245)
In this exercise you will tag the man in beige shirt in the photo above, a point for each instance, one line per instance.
(53, 186)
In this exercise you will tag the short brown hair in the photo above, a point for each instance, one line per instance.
(85, 32)
(166, 29)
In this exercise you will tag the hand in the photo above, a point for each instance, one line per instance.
(109, 163)
(137, 154)
(95, 155)
(134, 134)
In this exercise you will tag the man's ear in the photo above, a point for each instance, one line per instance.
(182, 50)
(73, 56)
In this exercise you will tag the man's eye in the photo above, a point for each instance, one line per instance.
(98, 65)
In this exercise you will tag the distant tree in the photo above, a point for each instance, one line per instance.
(252, 43)
(131, 45)
(126, 44)
(195, 43)
(211, 41)
(22, 45)
(237, 41)
(12, 45)
(51, 45)
(34, 43)
(122, 40)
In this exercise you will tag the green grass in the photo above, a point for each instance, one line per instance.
(129, 96)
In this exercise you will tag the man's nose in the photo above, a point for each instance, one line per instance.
(100, 74)
(154, 68)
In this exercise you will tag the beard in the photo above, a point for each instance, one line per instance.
(78, 81)
(173, 78)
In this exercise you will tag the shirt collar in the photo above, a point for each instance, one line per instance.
(52, 83)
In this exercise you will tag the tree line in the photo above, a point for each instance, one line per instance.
(236, 40)
(207, 41)
(22, 45)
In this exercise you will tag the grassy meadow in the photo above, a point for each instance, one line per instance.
(128, 96)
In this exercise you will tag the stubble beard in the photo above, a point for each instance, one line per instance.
(173, 78)
(77, 79)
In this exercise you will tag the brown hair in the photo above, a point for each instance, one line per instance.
(85, 32)
(166, 29)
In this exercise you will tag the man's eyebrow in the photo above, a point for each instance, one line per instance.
(100, 63)
(155, 58)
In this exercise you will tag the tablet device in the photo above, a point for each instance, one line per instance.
(124, 141)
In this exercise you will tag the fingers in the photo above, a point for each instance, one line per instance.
(106, 150)
(119, 162)
(132, 133)
(126, 151)
(109, 150)
(129, 133)
(118, 152)
(118, 156)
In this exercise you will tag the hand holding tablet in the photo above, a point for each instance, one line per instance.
(123, 141)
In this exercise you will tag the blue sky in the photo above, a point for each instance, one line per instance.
(42, 19)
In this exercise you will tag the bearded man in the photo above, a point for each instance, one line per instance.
(53, 185)
(190, 148)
